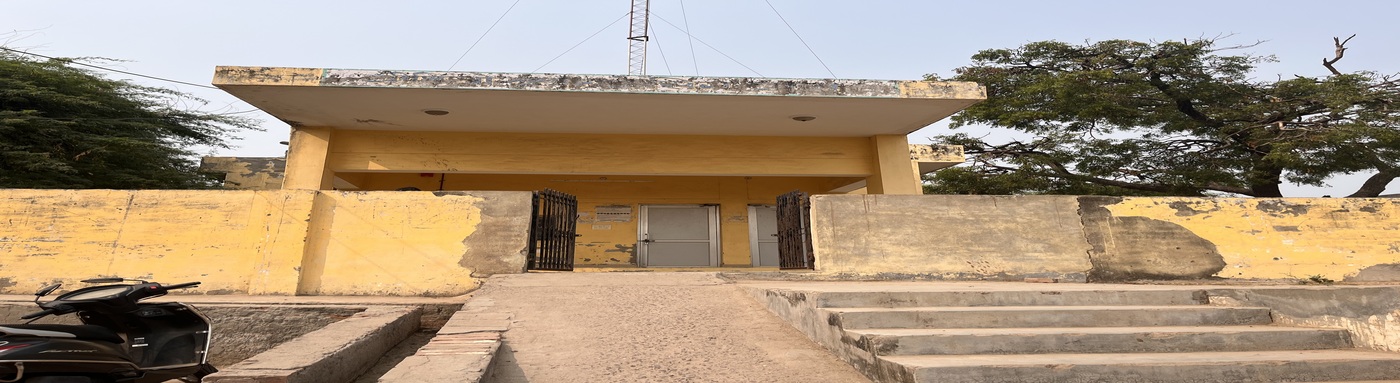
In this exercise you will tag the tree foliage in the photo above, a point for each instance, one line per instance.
(1169, 118)
(66, 127)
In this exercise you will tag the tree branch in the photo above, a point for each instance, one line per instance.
(1183, 104)
(1376, 183)
(1341, 50)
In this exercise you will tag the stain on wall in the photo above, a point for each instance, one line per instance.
(1131, 248)
(419, 243)
(501, 246)
(1284, 238)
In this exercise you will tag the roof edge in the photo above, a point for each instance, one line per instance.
(750, 86)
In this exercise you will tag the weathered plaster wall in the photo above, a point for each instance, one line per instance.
(949, 237)
(246, 173)
(414, 243)
(1293, 238)
(1107, 238)
(233, 241)
(263, 242)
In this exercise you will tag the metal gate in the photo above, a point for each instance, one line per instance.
(795, 231)
(552, 230)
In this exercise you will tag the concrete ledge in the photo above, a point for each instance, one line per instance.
(337, 353)
(462, 351)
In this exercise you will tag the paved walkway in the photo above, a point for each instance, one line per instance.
(646, 327)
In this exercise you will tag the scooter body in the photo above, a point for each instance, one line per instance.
(120, 340)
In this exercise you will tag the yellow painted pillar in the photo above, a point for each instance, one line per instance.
(894, 172)
(918, 176)
(734, 222)
(306, 159)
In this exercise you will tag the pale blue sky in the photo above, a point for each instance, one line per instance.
(185, 40)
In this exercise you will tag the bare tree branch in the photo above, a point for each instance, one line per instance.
(1341, 50)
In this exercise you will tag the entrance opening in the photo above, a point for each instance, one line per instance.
(552, 230)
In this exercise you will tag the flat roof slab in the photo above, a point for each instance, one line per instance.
(573, 103)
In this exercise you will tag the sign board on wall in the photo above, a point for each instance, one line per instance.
(613, 213)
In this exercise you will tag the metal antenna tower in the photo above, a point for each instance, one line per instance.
(637, 38)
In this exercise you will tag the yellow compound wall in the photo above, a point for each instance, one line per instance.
(263, 242)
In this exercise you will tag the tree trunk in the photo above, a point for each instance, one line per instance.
(1265, 181)
(1375, 185)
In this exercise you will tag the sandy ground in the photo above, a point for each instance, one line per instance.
(646, 327)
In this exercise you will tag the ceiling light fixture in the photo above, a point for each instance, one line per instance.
(803, 118)
(435, 112)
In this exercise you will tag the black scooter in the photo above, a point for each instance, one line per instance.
(121, 340)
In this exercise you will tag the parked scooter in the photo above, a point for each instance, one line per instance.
(120, 340)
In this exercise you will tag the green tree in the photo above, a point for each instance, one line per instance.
(1184, 118)
(67, 127)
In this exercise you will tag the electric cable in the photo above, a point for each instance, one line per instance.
(652, 33)
(590, 37)
(483, 35)
(686, 18)
(702, 42)
(799, 38)
(75, 62)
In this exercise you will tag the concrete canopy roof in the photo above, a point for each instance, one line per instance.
(609, 104)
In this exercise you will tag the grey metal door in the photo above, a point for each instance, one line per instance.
(763, 235)
(678, 236)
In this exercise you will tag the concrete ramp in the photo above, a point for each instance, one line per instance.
(644, 327)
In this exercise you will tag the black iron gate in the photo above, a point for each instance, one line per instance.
(552, 230)
(795, 231)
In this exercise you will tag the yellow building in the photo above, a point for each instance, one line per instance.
(669, 171)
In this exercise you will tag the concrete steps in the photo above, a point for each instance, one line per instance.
(1048, 316)
(1007, 298)
(1262, 366)
(1096, 340)
(1137, 334)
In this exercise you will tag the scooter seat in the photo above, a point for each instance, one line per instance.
(81, 331)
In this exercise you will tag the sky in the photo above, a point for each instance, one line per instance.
(874, 39)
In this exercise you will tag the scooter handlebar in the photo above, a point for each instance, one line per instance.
(39, 314)
(182, 285)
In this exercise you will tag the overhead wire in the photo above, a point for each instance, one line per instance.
(652, 34)
(483, 35)
(799, 38)
(75, 62)
(590, 37)
(702, 42)
(686, 18)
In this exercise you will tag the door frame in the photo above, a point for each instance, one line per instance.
(715, 241)
(753, 232)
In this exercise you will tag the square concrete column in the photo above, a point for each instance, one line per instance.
(306, 159)
(734, 222)
(893, 172)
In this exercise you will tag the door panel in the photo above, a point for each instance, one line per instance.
(679, 236)
(662, 254)
(763, 235)
(768, 254)
(686, 223)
